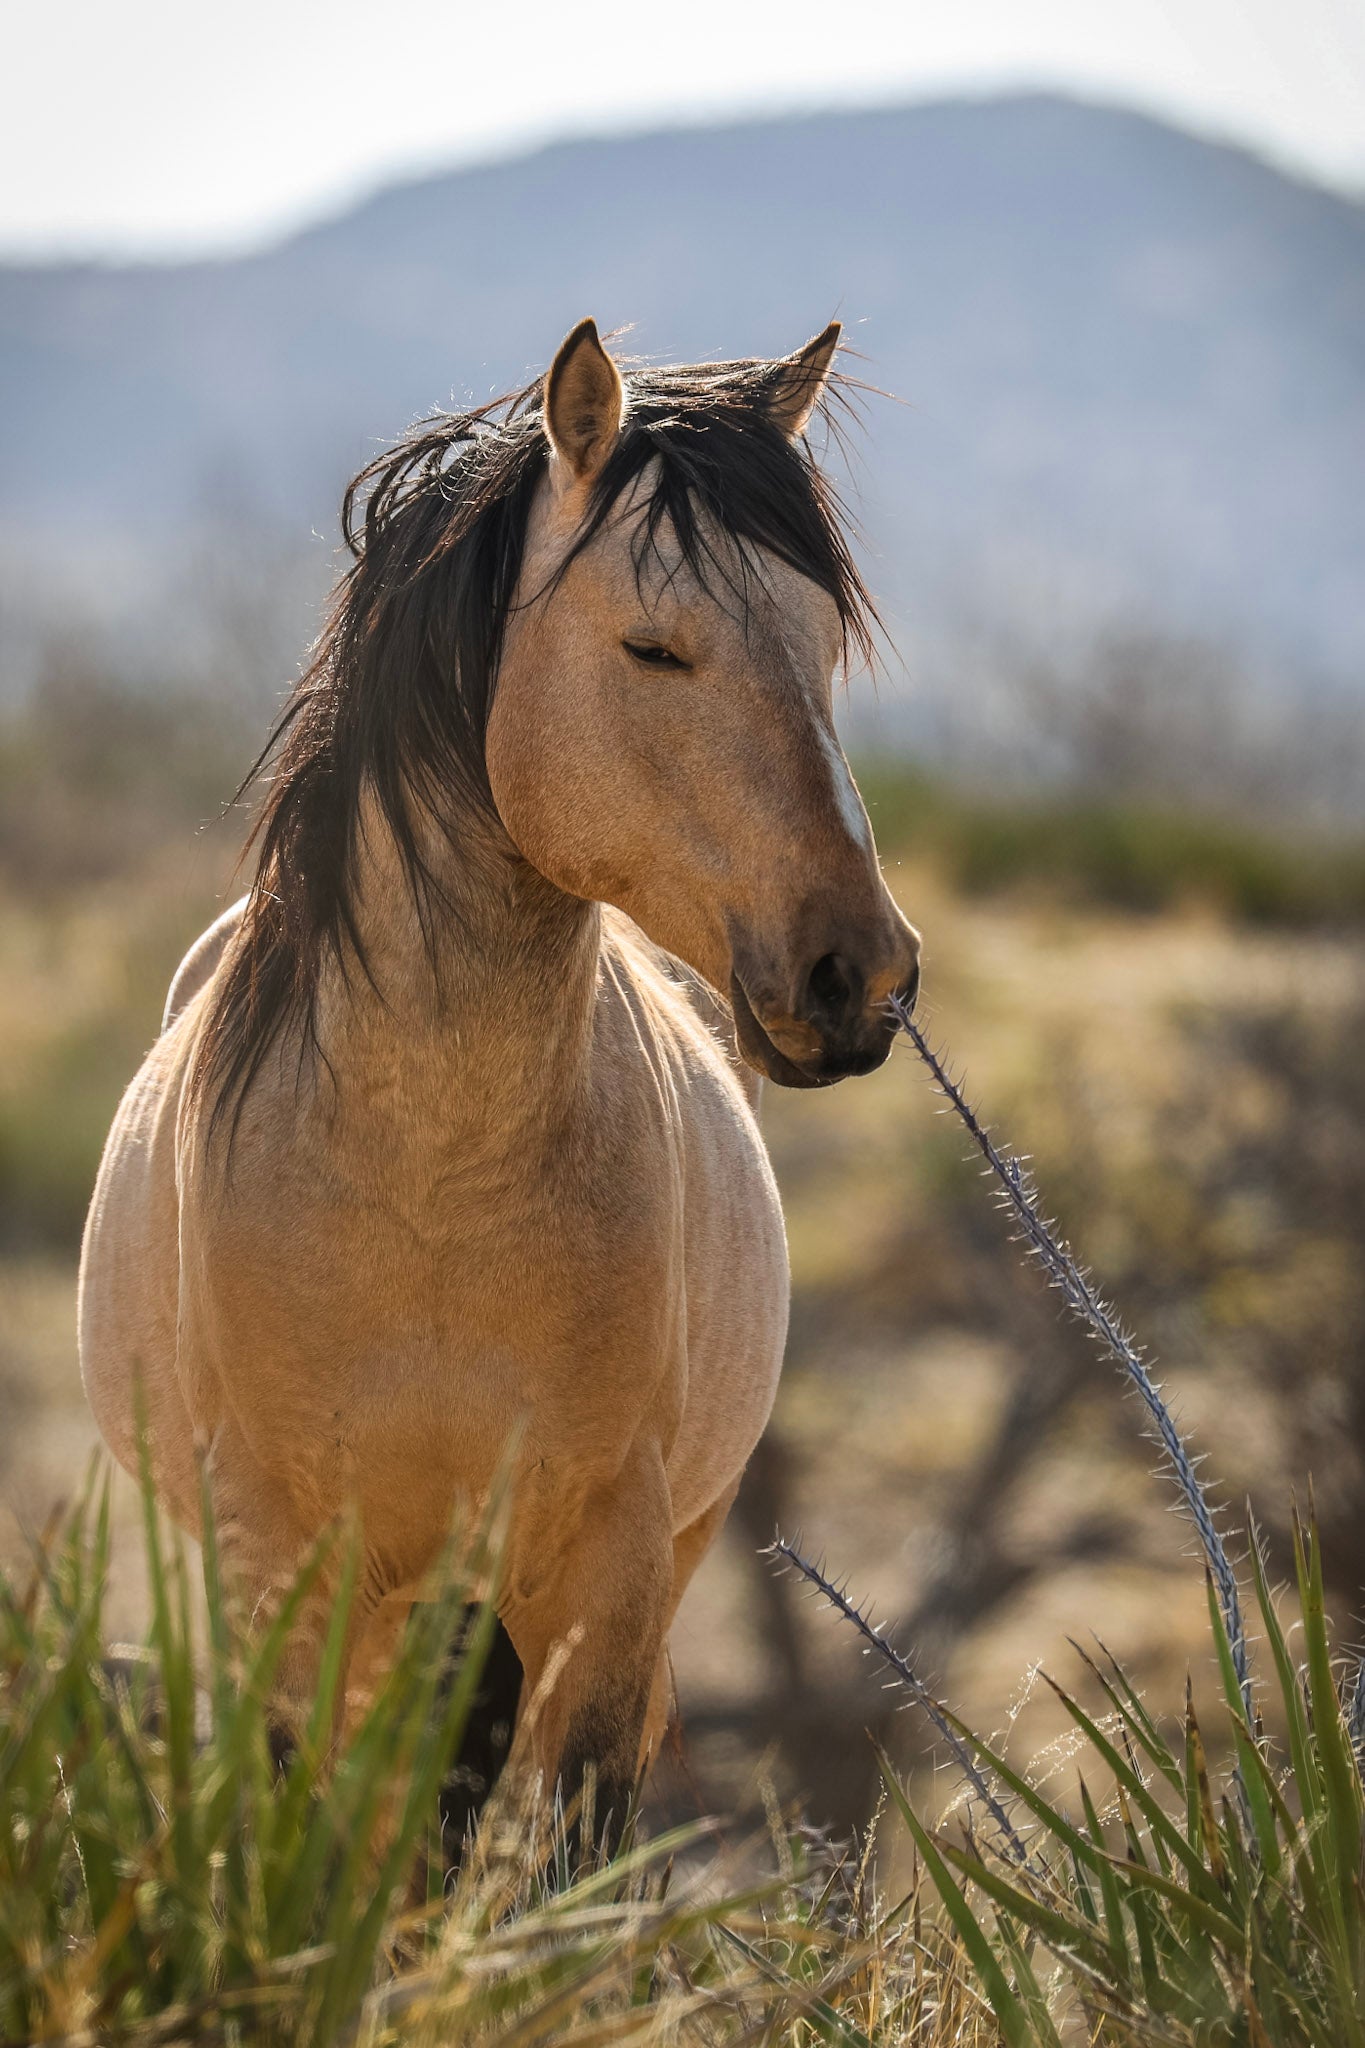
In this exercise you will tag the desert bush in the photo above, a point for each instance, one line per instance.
(98, 772)
(1122, 853)
(1164, 1914)
(109, 866)
(1173, 1915)
(153, 1867)
(88, 983)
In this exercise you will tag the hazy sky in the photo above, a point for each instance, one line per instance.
(169, 125)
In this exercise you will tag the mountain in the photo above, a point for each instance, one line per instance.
(1132, 362)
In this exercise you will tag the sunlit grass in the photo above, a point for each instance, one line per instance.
(160, 1879)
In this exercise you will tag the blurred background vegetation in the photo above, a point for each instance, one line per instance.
(1145, 946)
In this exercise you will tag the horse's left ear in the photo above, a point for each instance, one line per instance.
(800, 380)
(584, 402)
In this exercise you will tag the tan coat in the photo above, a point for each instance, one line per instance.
(520, 1191)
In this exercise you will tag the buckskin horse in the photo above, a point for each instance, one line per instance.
(449, 1136)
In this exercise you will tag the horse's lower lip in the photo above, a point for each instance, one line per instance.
(759, 1050)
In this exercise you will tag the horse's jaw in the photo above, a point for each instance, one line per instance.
(758, 1049)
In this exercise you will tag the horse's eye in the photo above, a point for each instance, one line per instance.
(652, 656)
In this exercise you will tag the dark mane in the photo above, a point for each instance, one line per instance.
(396, 697)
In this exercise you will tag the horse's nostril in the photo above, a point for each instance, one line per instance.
(830, 990)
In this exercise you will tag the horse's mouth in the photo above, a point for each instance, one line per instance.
(759, 1050)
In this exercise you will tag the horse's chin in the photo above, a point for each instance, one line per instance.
(758, 1049)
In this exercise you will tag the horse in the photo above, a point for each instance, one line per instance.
(449, 1140)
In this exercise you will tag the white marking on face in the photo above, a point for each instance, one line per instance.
(845, 794)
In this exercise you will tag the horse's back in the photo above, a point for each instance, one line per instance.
(200, 963)
(130, 1257)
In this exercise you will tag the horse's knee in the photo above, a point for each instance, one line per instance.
(657, 1715)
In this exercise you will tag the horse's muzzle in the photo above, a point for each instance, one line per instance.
(834, 1035)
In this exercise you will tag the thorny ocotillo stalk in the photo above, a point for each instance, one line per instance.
(907, 1676)
(1021, 1198)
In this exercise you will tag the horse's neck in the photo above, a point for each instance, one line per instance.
(479, 1025)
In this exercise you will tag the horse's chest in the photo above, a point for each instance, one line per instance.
(393, 1339)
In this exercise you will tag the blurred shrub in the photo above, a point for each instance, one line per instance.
(1124, 855)
(55, 1116)
(97, 773)
(1128, 714)
(104, 880)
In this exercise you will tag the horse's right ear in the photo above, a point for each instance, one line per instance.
(584, 403)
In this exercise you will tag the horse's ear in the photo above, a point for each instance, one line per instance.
(799, 381)
(584, 402)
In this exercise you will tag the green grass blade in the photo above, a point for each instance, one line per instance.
(1033, 1998)
(1119, 1960)
(1066, 1935)
(1133, 1716)
(1055, 1822)
(832, 2025)
(1292, 1700)
(1341, 1829)
(1227, 1669)
(1163, 1829)
(1003, 2001)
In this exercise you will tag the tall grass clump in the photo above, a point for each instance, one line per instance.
(162, 1880)
(1158, 1908)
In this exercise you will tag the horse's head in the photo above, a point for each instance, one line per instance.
(662, 734)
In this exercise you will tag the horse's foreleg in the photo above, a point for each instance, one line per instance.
(690, 1546)
(262, 1547)
(589, 1634)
